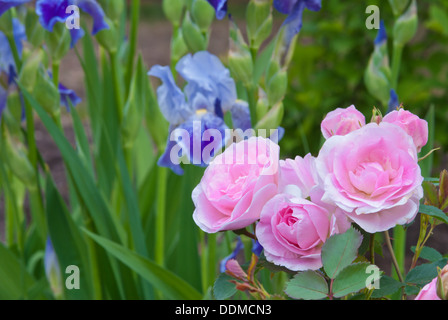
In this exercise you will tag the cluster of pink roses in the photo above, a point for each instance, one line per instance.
(366, 174)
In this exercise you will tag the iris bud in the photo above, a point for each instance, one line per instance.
(35, 34)
(108, 38)
(398, 6)
(195, 40)
(47, 94)
(272, 119)
(203, 14)
(240, 59)
(58, 41)
(259, 21)
(30, 69)
(173, 10)
(406, 25)
(16, 157)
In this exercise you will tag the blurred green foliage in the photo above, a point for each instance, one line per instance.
(328, 66)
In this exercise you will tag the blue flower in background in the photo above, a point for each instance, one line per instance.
(239, 246)
(52, 269)
(294, 9)
(7, 63)
(210, 92)
(5, 5)
(381, 36)
(51, 12)
(220, 8)
(393, 102)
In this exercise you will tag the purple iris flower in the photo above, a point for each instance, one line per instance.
(5, 5)
(7, 63)
(239, 246)
(210, 92)
(294, 9)
(220, 8)
(393, 101)
(381, 36)
(52, 11)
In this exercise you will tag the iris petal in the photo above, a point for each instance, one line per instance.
(220, 8)
(5, 5)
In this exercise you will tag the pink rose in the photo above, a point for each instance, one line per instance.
(417, 128)
(292, 231)
(236, 185)
(341, 121)
(299, 172)
(373, 175)
(429, 292)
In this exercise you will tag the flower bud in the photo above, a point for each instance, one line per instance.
(173, 10)
(262, 104)
(47, 94)
(405, 27)
(442, 283)
(398, 6)
(108, 38)
(178, 46)
(272, 119)
(35, 34)
(6, 23)
(203, 14)
(277, 86)
(377, 74)
(113, 9)
(30, 68)
(195, 40)
(259, 21)
(240, 59)
(53, 270)
(377, 117)
(58, 41)
(16, 157)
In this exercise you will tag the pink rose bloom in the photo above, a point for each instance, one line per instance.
(341, 121)
(417, 128)
(299, 172)
(429, 292)
(373, 175)
(292, 231)
(236, 185)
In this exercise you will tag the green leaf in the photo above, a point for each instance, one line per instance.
(308, 285)
(164, 280)
(15, 280)
(430, 254)
(434, 212)
(223, 288)
(67, 241)
(339, 251)
(388, 286)
(424, 273)
(351, 279)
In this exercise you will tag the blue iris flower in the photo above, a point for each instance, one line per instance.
(381, 36)
(393, 101)
(52, 268)
(52, 11)
(220, 8)
(209, 93)
(7, 64)
(294, 9)
(5, 5)
(239, 246)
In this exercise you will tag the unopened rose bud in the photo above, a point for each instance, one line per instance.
(442, 284)
(342, 121)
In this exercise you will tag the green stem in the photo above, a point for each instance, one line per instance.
(211, 263)
(399, 247)
(117, 86)
(396, 63)
(252, 97)
(394, 260)
(133, 34)
(160, 216)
